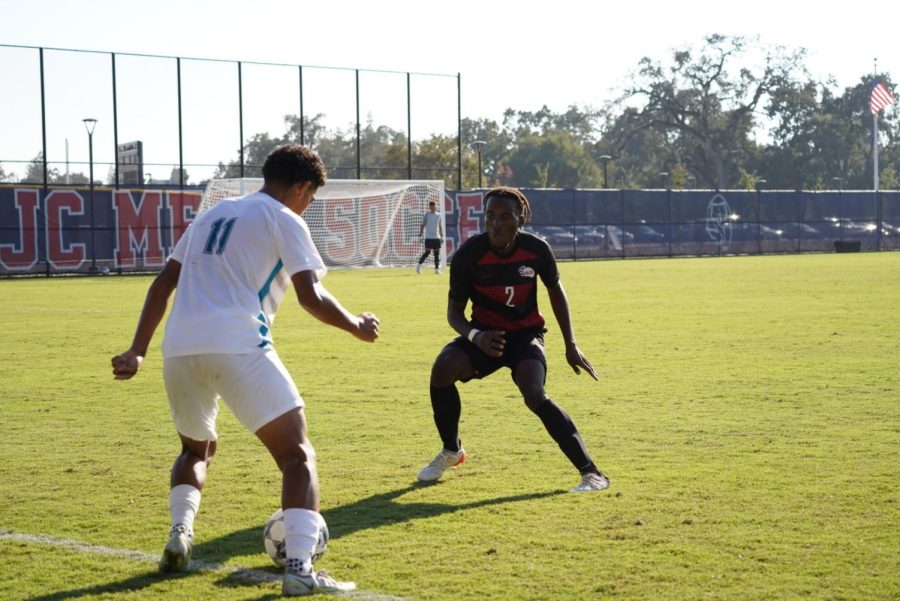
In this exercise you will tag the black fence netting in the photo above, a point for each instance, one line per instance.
(84, 230)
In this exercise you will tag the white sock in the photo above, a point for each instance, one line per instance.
(301, 533)
(184, 502)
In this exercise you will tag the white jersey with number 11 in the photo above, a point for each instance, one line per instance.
(236, 262)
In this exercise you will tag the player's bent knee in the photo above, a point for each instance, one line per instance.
(440, 378)
(451, 366)
(199, 449)
(534, 397)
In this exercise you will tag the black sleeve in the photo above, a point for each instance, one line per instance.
(461, 275)
(549, 271)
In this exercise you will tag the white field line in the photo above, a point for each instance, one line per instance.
(242, 573)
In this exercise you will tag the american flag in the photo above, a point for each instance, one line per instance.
(880, 98)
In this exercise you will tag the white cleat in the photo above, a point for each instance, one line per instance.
(592, 482)
(418, 268)
(437, 272)
(296, 585)
(440, 464)
(177, 554)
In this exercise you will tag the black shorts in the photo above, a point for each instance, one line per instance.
(433, 243)
(527, 344)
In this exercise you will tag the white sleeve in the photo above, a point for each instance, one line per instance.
(181, 247)
(295, 246)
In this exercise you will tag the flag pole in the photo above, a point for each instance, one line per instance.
(875, 150)
(875, 138)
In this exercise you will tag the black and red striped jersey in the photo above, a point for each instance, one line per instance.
(503, 289)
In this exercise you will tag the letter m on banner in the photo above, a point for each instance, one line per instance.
(138, 229)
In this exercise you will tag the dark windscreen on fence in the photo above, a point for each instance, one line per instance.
(78, 230)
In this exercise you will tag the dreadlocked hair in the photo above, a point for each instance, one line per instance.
(515, 194)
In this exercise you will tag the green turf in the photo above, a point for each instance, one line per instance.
(748, 415)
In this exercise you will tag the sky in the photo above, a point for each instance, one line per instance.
(521, 55)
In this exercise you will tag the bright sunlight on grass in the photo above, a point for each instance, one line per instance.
(748, 415)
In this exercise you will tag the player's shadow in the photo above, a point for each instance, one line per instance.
(371, 512)
(147, 580)
(382, 510)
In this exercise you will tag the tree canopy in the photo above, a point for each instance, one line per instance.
(726, 114)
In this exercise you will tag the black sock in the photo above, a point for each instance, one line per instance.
(437, 260)
(423, 257)
(564, 432)
(447, 409)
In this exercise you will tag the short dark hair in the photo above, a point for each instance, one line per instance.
(292, 163)
(513, 193)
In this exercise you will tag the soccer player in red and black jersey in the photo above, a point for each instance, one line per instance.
(498, 271)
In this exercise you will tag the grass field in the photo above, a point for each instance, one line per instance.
(748, 415)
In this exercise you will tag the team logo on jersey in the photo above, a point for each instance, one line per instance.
(526, 272)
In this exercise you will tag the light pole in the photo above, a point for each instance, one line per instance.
(89, 124)
(664, 175)
(605, 158)
(478, 145)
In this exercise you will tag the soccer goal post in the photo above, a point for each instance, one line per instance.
(358, 223)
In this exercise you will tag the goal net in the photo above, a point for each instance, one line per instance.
(357, 223)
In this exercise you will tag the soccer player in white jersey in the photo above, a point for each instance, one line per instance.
(232, 267)
(431, 228)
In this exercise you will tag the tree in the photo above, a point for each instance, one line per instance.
(435, 158)
(641, 155)
(701, 108)
(580, 124)
(822, 136)
(498, 140)
(34, 174)
(259, 146)
(553, 160)
(701, 116)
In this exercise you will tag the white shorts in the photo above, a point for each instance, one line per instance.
(256, 387)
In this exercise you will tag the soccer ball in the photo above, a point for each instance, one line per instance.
(273, 540)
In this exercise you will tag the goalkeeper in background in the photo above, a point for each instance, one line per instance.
(232, 268)
(434, 233)
(498, 271)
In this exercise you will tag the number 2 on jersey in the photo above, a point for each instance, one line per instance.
(511, 292)
(215, 241)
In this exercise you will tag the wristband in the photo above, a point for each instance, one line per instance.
(472, 333)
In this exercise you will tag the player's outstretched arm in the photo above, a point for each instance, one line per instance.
(128, 363)
(560, 303)
(319, 303)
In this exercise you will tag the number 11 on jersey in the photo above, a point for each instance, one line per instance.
(218, 242)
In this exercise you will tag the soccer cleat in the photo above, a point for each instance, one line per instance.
(177, 554)
(592, 482)
(295, 585)
(418, 268)
(437, 272)
(440, 464)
